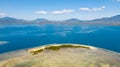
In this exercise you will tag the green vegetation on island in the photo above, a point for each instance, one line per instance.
(56, 48)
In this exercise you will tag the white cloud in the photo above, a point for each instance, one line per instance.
(93, 9)
(63, 11)
(2, 14)
(41, 12)
(67, 11)
(118, 0)
(103, 7)
(99, 9)
(84, 9)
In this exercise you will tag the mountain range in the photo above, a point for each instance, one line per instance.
(115, 20)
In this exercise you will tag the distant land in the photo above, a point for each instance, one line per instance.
(115, 20)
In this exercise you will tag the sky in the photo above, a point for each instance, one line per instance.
(59, 9)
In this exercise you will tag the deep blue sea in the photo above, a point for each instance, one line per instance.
(15, 37)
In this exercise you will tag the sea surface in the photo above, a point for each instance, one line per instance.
(15, 37)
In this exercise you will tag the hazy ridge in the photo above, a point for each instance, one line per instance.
(115, 20)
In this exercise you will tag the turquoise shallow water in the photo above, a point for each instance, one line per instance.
(17, 37)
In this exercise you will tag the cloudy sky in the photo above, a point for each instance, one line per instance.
(59, 9)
